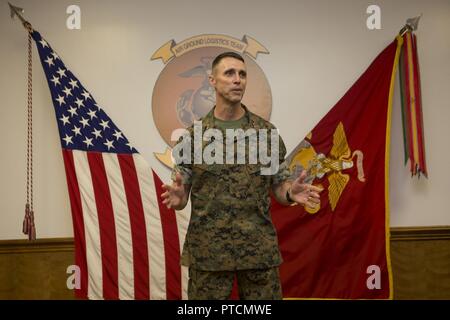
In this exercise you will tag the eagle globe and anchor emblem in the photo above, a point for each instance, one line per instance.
(333, 166)
(182, 93)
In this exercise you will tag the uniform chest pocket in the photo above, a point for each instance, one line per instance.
(257, 180)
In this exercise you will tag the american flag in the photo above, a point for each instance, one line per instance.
(127, 243)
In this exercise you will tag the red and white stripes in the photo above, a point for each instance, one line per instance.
(127, 243)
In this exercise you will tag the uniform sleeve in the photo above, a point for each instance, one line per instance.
(185, 169)
(283, 173)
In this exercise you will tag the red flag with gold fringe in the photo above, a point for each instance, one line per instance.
(340, 249)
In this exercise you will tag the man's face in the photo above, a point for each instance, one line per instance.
(229, 78)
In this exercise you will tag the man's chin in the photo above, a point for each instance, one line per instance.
(235, 99)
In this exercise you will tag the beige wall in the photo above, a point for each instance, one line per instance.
(317, 51)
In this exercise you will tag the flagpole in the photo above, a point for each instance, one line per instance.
(16, 12)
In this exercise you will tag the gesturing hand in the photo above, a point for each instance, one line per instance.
(304, 193)
(175, 194)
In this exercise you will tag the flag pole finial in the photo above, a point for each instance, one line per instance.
(17, 12)
(411, 25)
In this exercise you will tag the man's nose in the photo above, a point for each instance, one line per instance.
(237, 78)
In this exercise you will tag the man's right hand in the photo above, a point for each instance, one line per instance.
(176, 195)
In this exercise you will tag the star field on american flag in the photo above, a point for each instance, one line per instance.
(82, 124)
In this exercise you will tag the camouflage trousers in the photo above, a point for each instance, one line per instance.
(255, 284)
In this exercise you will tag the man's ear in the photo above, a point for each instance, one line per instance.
(212, 80)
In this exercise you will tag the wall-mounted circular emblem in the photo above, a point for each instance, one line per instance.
(182, 93)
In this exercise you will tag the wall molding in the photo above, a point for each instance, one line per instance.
(40, 245)
(67, 244)
(420, 233)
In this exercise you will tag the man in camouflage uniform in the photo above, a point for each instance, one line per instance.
(231, 232)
